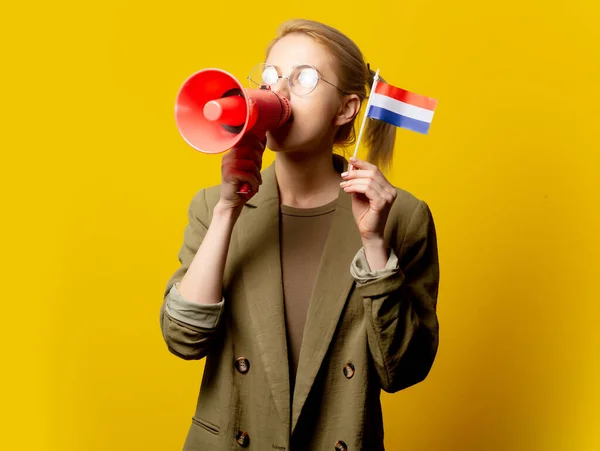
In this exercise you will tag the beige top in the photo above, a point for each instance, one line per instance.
(303, 235)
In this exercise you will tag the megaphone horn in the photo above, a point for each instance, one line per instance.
(213, 112)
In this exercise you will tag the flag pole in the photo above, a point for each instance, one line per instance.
(362, 127)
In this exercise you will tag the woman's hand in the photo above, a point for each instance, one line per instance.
(241, 164)
(372, 199)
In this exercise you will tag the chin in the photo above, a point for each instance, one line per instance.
(291, 139)
(284, 139)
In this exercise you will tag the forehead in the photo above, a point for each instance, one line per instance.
(297, 48)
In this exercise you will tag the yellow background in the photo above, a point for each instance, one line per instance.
(96, 182)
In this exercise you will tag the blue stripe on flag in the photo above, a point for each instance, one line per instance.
(398, 120)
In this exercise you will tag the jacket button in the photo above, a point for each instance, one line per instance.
(242, 438)
(348, 370)
(341, 446)
(242, 364)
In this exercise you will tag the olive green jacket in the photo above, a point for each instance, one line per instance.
(365, 330)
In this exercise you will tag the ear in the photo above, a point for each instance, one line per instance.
(348, 110)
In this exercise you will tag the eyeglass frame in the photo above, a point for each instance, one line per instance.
(287, 77)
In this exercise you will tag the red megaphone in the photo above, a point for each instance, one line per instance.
(214, 112)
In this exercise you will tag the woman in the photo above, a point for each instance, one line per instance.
(316, 290)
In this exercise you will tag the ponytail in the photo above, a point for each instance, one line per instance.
(379, 137)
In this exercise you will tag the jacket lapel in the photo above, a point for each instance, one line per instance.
(262, 278)
(327, 302)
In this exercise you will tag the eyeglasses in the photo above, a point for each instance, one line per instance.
(302, 80)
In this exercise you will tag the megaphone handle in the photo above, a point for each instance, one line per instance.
(245, 187)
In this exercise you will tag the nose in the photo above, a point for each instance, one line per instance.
(282, 88)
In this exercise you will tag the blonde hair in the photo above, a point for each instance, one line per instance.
(353, 77)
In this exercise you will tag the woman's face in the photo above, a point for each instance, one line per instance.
(315, 117)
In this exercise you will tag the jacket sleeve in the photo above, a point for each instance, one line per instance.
(400, 304)
(188, 328)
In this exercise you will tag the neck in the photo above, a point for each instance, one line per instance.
(306, 180)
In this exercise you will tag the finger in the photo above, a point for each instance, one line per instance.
(374, 175)
(249, 143)
(365, 181)
(361, 164)
(371, 190)
(252, 141)
(237, 177)
(248, 167)
(358, 173)
(243, 154)
(376, 202)
(243, 165)
(382, 186)
(368, 191)
(379, 198)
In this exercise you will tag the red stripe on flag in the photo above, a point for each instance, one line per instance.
(404, 96)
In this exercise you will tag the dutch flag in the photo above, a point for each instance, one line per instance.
(401, 108)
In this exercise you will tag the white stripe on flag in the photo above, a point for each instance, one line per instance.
(405, 109)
